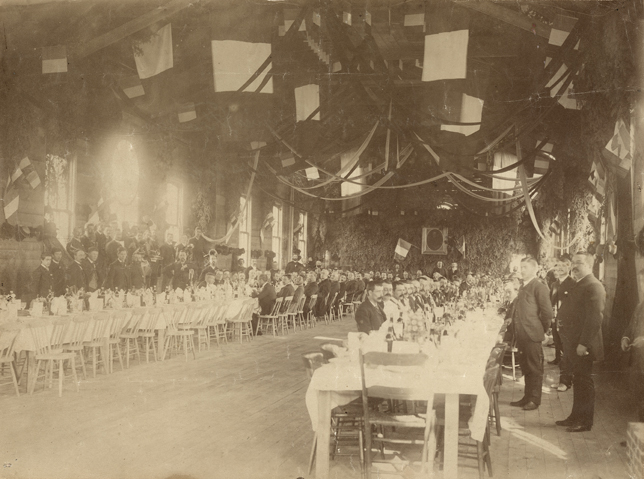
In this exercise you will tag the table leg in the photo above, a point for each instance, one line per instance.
(32, 373)
(323, 435)
(450, 465)
(160, 343)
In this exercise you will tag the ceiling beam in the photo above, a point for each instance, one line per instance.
(507, 16)
(129, 28)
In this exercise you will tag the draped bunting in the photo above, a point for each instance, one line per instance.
(155, 56)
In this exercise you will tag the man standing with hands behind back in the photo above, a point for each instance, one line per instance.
(532, 316)
(581, 320)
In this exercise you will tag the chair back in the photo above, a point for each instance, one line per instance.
(78, 327)
(312, 361)
(100, 327)
(286, 304)
(138, 314)
(369, 362)
(329, 304)
(312, 302)
(299, 307)
(149, 321)
(276, 307)
(7, 340)
(348, 298)
(119, 321)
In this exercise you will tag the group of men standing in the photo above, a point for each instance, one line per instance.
(578, 299)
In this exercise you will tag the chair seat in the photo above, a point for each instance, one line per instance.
(182, 332)
(75, 347)
(148, 334)
(96, 344)
(129, 335)
(397, 420)
(55, 356)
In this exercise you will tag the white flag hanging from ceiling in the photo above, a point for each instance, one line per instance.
(307, 100)
(445, 56)
(501, 160)
(235, 62)
(471, 111)
(156, 54)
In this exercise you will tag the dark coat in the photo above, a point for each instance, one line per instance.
(369, 317)
(167, 254)
(297, 295)
(180, 274)
(206, 270)
(137, 276)
(42, 281)
(441, 271)
(533, 312)
(334, 288)
(73, 246)
(293, 267)
(323, 296)
(118, 277)
(111, 251)
(266, 299)
(92, 270)
(76, 276)
(309, 290)
(58, 273)
(286, 291)
(582, 314)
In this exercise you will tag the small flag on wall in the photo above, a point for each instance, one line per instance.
(155, 56)
(402, 250)
(186, 112)
(445, 56)
(312, 173)
(307, 100)
(618, 149)
(132, 86)
(234, 62)
(54, 59)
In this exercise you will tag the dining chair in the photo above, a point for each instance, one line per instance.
(49, 352)
(269, 320)
(390, 428)
(310, 314)
(147, 332)
(119, 320)
(328, 313)
(99, 338)
(346, 421)
(7, 340)
(217, 323)
(493, 379)
(282, 315)
(242, 322)
(74, 341)
(346, 307)
(176, 336)
(294, 311)
(131, 335)
(299, 314)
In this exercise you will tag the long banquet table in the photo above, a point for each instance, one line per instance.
(24, 340)
(455, 367)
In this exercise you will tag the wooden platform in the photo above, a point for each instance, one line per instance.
(239, 412)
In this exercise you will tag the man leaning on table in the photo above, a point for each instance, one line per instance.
(370, 314)
(532, 317)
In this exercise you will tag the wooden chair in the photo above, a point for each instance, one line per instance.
(174, 335)
(49, 350)
(131, 335)
(328, 313)
(392, 428)
(310, 314)
(358, 299)
(99, 339)
(216, 323)
(242, 323)
(270, 320)
(118, 323)
(282, 315)
(346, 307)
(493, 379)
(299, 314)
(7, 340)
(199, 325)
(76, 338)
(147, 332)
(294, 313)
(346, 421)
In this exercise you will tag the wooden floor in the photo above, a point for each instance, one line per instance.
(239, 412)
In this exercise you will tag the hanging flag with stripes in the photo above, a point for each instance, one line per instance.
(27, 168)
(618, 149)
(269, 222)
(402, 250)
(96, 214)
(54, 59)
(235, 63)
(132, 86)
(597, 180)
(461, 246)
(155, 56)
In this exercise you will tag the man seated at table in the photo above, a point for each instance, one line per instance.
(310, 289)
(208, 282)
(266, 299)
(392, 310)
(118, 276)
(370, 315)
(181, 272)
(287, 288)
(76, 279)
(212, 265)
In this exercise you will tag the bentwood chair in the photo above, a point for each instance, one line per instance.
(391, 428)
(7, 340)
(49, 352)
(266, 321)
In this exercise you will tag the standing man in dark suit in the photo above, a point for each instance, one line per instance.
(93, 274)
(581, 320)
(118, 275)
(633, 342)
(42, 279)
(181, 272)
(58, 272)
(532, 317)
(370, 315)
(266, 299)
(559, 293)
(76, 278)
(113, 245)
(211, 267)
(440, 270)
(294, 266)
(167, 257)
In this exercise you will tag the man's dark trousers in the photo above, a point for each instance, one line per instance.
(583, 388)
(531, 362)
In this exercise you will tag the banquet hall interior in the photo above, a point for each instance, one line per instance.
(295, 238)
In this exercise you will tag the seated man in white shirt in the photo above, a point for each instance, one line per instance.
(393, 309)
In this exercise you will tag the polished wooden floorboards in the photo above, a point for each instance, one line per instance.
(238, 412)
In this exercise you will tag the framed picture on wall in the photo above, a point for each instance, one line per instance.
(434, 241)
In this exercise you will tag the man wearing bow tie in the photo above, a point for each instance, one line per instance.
(118, 276)
(42, 280)
(370, 315)
(532, 317)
